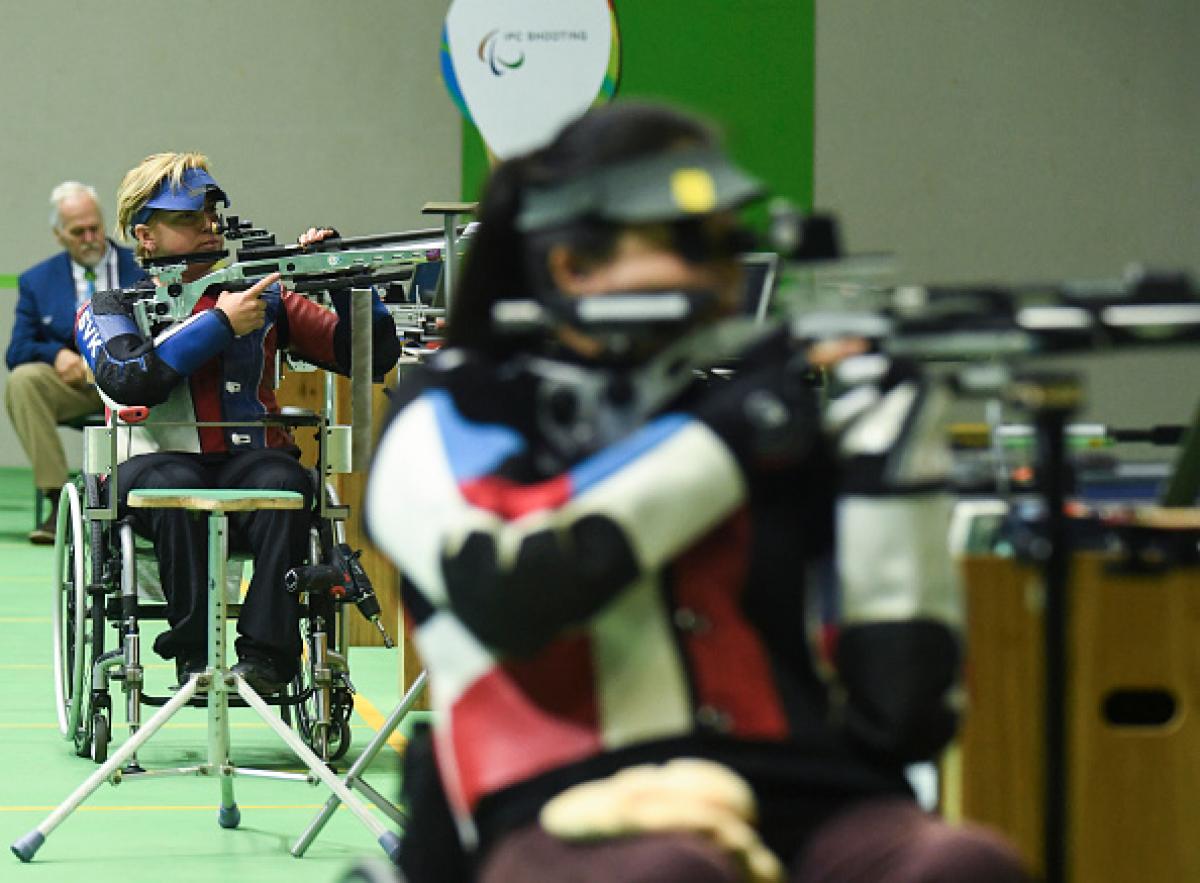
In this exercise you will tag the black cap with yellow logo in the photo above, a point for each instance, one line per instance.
(683, 183)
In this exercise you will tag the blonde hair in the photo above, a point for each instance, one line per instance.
(142, 180)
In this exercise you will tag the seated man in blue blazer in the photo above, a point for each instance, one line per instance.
(49, 383)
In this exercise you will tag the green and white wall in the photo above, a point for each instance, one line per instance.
(997, 139)
(746, 66)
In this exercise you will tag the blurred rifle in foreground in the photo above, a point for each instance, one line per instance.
(984, 332)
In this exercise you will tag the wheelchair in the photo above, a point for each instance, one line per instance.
(104, 577)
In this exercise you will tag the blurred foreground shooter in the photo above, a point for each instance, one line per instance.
(612, 587)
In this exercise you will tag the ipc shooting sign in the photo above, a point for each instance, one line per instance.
(520, 69)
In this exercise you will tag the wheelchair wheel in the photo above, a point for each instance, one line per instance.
(330, 741)
(70, 619)
(340, 736)
(328, 737)
(96, 713)
(101, 733)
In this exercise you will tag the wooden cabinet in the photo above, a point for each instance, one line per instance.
(1133, 744)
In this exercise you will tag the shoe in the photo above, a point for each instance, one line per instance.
(43, 534)
(262, 675)
(186, 666)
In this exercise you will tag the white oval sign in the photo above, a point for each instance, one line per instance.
(521, 69)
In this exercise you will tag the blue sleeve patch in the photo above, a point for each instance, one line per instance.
(473, 449)
(193, 343)
(110, 325)
(614, 458)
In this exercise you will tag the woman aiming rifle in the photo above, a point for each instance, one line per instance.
(214, 366)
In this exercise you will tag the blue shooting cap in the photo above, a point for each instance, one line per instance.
(196, 191)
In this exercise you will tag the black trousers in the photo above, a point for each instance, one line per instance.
(278, 540)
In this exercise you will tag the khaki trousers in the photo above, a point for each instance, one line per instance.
(37, 402)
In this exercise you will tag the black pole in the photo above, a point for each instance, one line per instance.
(1052, 399)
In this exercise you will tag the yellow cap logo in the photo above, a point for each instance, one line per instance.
(693, 190)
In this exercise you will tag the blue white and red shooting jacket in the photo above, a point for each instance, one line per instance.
(652, 600)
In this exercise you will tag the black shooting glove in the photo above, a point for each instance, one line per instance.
(767, 411)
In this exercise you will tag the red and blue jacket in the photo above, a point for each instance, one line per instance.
(198, 371)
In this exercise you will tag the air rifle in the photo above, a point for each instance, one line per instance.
(331, 264)
(943, 323)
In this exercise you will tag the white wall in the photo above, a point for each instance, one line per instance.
(1020, 140)
(310, 112)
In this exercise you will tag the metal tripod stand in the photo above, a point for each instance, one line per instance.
(354, 775)
(218, 682)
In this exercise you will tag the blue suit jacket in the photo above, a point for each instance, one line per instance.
(45, 320)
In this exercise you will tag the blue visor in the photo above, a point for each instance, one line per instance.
(195, 192)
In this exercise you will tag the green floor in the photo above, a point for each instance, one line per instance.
(158, 829)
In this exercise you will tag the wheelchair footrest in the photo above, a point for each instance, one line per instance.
(200, 700)
(153, 611)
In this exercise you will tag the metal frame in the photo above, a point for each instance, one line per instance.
(219, 682)
(126, 657)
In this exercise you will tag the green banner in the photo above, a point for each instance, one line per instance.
(750, 72)
(8, 281)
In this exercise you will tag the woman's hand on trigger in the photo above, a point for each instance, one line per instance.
(246, 310)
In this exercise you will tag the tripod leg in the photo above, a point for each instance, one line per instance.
(26, 846)
(228, 816)
(388, 840)
(352, 776)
